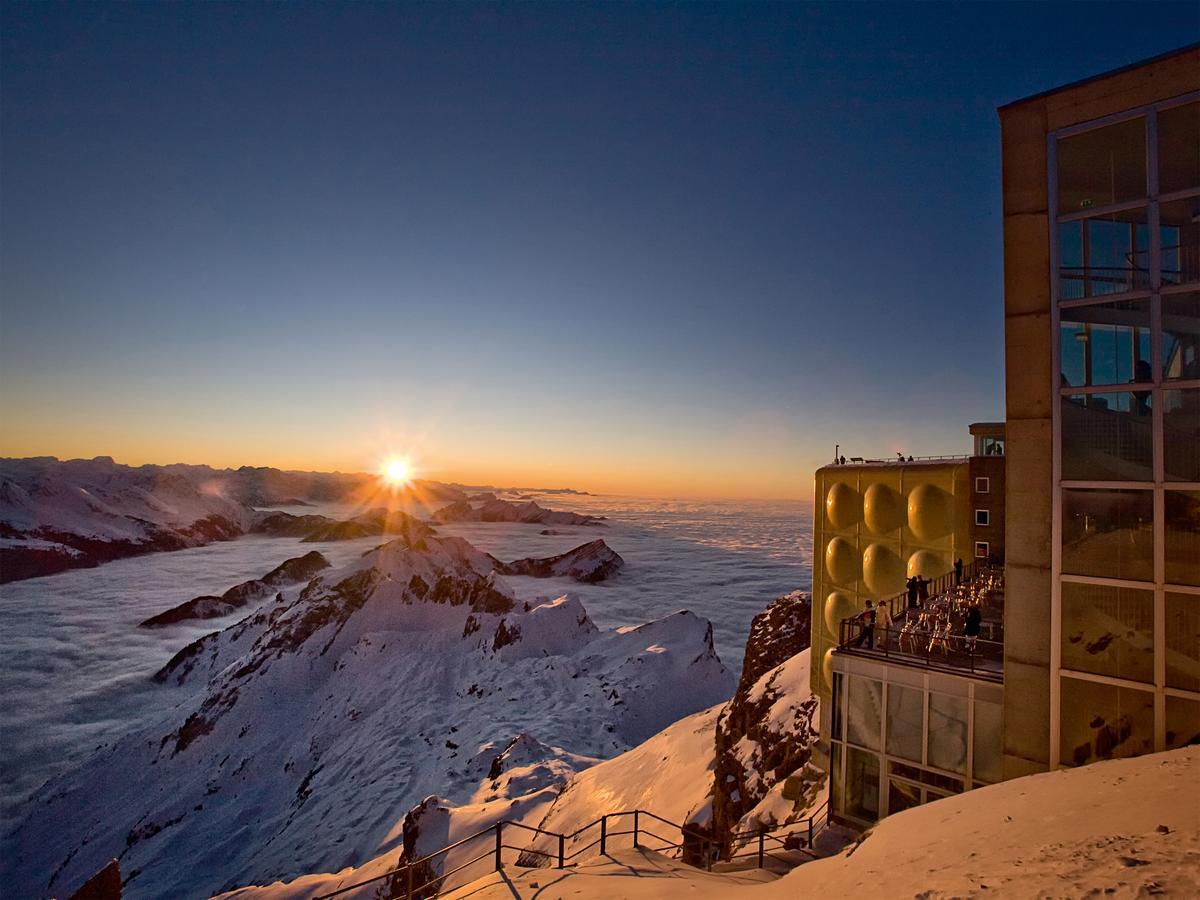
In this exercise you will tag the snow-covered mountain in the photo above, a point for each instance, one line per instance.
(60, 515)
(315, 724)
(489, 508)
(591, 562)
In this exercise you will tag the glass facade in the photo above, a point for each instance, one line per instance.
(897, 745)
(1127, 434)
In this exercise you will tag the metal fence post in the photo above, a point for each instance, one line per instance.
(761, 839)
(635, 828)
(810, 832)
(603, 835)
(408, 883)
(562, 841)
(499, 845)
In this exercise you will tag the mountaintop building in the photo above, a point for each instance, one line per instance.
(1071, 631)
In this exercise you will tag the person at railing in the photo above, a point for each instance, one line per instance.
(911, 588)
(883, 620)
(866, 629)
(971, 628)
(923, 589)
(958, 570)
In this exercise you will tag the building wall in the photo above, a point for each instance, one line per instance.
(873, 527)
(989, 501)
(1034, 637)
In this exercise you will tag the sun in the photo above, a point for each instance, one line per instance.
(397, 471)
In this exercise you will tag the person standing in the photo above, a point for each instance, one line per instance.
(923, 589)
(911, 586)
(971, 629)
(958, 570)
(866, 630)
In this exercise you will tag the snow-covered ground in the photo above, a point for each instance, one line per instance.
(76, 670)
(1124, 829)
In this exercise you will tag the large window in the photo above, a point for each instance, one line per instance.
(1127, 424)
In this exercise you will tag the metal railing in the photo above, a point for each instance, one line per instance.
(898, 603)
(403, 881)
(930, 649)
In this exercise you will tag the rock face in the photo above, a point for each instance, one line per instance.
(492, 509)
(301, 568)
(589, 563)
(306, 731)
(764, 738)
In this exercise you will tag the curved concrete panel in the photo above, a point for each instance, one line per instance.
(843, 505)
(883, 571)
(927, 564)
(929, 512)
(841, 561)
(883, 509)
(838, 606)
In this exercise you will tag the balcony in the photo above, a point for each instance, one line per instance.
(932, 633)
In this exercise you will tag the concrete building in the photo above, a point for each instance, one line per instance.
(1102, 328)
(1089, 493)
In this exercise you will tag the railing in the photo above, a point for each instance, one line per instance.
(862, 461)
(930, 649)
(403, 879)
(763, 844)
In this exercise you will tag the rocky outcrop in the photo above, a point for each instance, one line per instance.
(589, 563)
(764, 775)
(301, 568)
(493, 509)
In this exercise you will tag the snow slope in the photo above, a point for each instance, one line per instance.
(1123, 828)
(329, 715)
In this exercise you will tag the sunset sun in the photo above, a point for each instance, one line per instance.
(397, 471)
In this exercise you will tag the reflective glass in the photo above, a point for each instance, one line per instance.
(1179, 148)
(1108, 437)
(1108, 631)
(1179, 230)
(1181, 335)
(1108, 343)
(988, 740)
(864, 708)
(1183, 641)
(1183, 722)
(862, 784)
(1181, 434)
(1108, 533)
(902, 796)
(1182, 510)
(905, 721)
(1102, 166)
(1105, 255)
(1102, 721)
(948, 733)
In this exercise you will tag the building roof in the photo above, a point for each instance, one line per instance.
(1178, 51)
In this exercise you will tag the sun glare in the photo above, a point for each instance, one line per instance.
(397, 471)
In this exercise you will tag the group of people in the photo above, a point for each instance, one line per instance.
(917, 592)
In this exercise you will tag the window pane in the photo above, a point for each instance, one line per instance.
(902, 796)
(1183, 722)
(1179, 227)
(1101, 721)
(1183, 641)
(948, 733)
(1106, 344)
(862, 784)
(905, 715)
(1181, 434)
(1182, 510)
(1102, 166)
(1108, 631)
(1181, 335)
(836, 720)
(1108, 533)
(1179, 148)
(988, 751)
(836, 798)
(864, 707)
(1108, 437)
(1106, 255)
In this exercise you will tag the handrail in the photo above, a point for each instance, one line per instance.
(413, 891)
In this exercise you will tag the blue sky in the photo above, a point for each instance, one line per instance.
(678, 249)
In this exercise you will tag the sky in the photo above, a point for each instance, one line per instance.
(670, 249)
